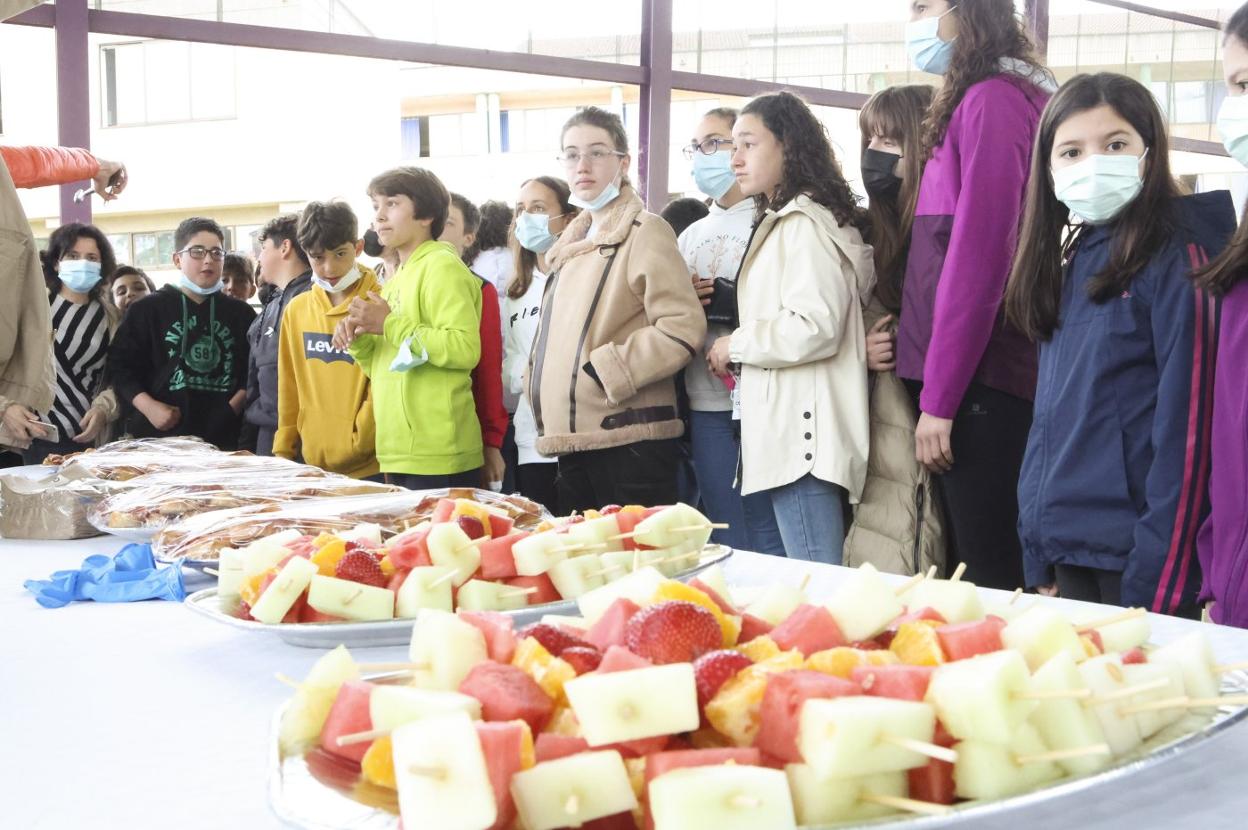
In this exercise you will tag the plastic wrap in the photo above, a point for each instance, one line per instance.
(123, 466)
(174, 443)
(48, 508)
(202, 537)
(155, 500)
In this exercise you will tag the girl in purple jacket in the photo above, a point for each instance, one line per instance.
(972, 375)
(1223, 541)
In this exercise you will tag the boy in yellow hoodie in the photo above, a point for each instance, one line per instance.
(324, 401)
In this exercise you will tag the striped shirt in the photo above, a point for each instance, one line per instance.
(80, 334)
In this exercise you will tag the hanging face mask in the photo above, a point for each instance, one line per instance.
(606, 197)
(80, 275)
(1099, 187)
(1233, 125)
(408, 359)
(927, 51)
(879, 176)
(344, 282)
(533, 232)
(372, 245)
(185, 282)
(713, 174)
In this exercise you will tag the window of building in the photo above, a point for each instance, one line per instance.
(161, 82)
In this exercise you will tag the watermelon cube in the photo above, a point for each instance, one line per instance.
(781, 710)
(932, 782)
(499, 632)
(751, 627)
(551, 747)
(442, 512)
(496, 559)
(500, 525)
(618, 658)
(662, 762)
(308, 614)
(962, 640)
(411, 552)
(809, 628)
(641, 747)
(546, 591)
(348, 715)
(502, 744)
(609, 630)
(508, 693)
(628, 521)
(897, 681)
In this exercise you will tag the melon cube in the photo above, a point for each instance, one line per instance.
(1194, 657)
(481, 595)
(349, 714)
(289, 584)
(775, 603)
(1155, 720)
(616, 563)
(782, 707)
(1104, 676)
(367, 533)
(425, 587)
(677, 526)
(714, 579)
(955, 601)
(229, 574)
(304, 716)
(724, 797)
(576, 576)
(850, 735)
(1039, 633)
(264, 554)
(821, 801)
(1066, 723)
(571, 791)
(350, 600)
(1123, 635)
(978, 698)
(594, 535)
(389, 707)
(643, 703)
(638, 586)
(990, 770)
(448, 646)
(864, 604)
(450, 547)
(442, 776)
(538, 553)
(810, 628)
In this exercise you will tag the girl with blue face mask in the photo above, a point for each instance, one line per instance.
(1114, 477)
(78, 261)
(970, 377)
(1223, 541)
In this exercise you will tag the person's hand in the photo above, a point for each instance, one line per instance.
(1047, 590)
(880, 354)
(717, 358)
(494, 469)
(344, 336)
(368, 316)
(932, 445)
(161, 415)
(705, 289)
(92, 424)
(22, 423)
(108, 169)
(238, 401)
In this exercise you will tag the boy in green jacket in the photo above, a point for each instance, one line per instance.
(419, 340)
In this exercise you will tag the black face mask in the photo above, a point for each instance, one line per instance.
(372, 245)
(878, 174)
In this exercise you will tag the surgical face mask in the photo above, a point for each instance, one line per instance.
(79, 275)
(713, 174)
(533, 232)
(344, 282)
(372, 245)
(606, 197)
(927, 51)
(185, 282)
(1099, 187)
(1233, 125)
(878, 174)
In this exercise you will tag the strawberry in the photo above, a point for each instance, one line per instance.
(581, 658)
(714, 669)
(673, 632)
(1135, 655)
(553, 638)
(361, 566)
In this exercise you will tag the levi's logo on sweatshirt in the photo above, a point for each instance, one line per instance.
(317, 346)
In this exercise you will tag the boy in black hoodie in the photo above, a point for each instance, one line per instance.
(180, 355)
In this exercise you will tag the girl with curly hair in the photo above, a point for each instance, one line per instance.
(800, 343)
(971, 374)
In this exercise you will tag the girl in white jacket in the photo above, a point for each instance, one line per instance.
(800, 344)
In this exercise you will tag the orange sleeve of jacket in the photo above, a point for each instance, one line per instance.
(40, 166)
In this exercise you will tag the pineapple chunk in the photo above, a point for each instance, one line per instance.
(549, 671)
(916, 643)
(305, 714)
(842, 660)
(734, 710)
(378, 764)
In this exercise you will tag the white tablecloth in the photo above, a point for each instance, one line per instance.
(150, 716)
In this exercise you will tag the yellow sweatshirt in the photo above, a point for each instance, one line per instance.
(324, 401)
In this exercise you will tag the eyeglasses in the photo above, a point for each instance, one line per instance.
(707, 148)
(571, 158)
(199, 252)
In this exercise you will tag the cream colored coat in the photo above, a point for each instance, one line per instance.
(803, 284)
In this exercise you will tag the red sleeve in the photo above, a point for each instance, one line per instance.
(41, 166)
(487, 378)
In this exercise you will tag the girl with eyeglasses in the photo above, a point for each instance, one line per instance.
(619, 319)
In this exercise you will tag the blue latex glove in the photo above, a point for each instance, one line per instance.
(129, 576)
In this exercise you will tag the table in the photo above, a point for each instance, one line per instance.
(150, 716)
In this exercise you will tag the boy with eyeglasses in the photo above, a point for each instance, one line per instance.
(180, 356)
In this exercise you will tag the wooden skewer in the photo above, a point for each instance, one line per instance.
(931, 572)
(1225, 667)
(361, 737)
(1153, 706)
(517, 592)
(931, 750)
(804, 583)
(1185, 703)
(428, 772)
(1128, 692)
(444, 578)
(958, 571)
(288, 681)
(1018, 592)
(1053, 694)
(909, 583)
(573, 805)
(637, 559)
(604, 571)
(580, 546)
(1224, 700)
(1121, 616)
(909, 805)
(212, 571)
(1062, 754)
(741, 801)
(384, 667)
(707, 526)
(480, 540)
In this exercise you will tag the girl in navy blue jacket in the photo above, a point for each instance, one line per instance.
(1113, 480)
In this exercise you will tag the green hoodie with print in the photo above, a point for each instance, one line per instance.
(426, 421)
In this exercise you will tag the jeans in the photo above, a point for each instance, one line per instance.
(811, 516)
(751, 520)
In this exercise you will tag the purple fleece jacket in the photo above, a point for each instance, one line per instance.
(965, 230)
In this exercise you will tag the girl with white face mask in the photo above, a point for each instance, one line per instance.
(1223, 541)
(1113, 480)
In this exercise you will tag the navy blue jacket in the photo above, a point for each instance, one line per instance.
(1112, 477)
